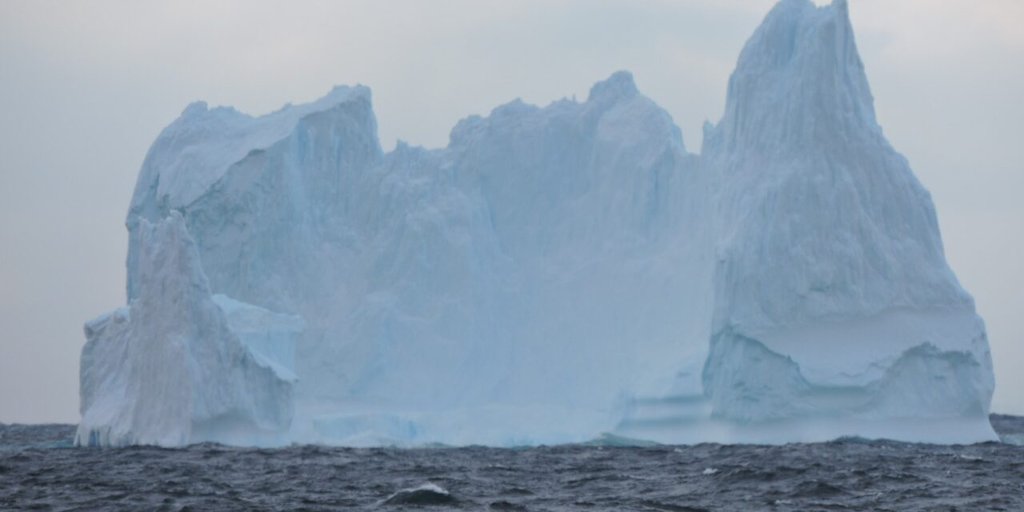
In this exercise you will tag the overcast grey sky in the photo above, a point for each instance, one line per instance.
(85, 87)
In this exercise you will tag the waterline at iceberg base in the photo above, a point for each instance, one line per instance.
(554, 275)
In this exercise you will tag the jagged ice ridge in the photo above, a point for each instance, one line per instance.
(553, 275)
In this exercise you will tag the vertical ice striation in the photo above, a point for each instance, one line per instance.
(261, 195)
(168, 369)
(830, 281)
(553, 273)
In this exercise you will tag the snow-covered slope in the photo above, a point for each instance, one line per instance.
(555, 272)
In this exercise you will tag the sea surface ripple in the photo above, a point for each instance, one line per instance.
(40, 470)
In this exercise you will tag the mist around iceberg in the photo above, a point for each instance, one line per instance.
(553, 275)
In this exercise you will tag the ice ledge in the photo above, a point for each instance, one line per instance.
(747, 383)
(270, 337)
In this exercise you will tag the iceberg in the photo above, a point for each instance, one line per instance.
(554, 275)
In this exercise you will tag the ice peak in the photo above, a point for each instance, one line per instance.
(619, 85)
(343, 93)
(811, 4)
(799, 80)
(195, 108)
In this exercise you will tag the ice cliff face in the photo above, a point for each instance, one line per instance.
(829, 261)
(554, 273)
(168, 369)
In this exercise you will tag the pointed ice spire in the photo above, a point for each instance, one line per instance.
(829, 264)
(799, 83)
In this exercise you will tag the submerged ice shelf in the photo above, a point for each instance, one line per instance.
(553, 274)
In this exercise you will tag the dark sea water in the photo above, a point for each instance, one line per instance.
(39, 469)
